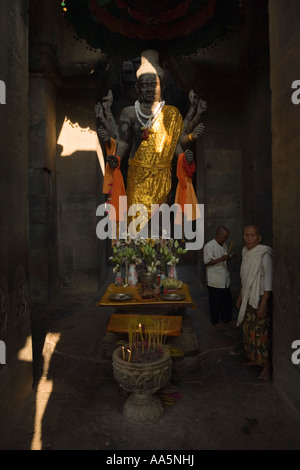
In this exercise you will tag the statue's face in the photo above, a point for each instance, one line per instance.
(148, 88)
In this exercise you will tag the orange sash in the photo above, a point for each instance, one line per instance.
(113, 183)
(185, 193)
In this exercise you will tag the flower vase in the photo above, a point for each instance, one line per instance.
(132, 276)
(118, 279)
(172, 271)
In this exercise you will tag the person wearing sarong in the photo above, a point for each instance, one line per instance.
(149, 132)
(255, 300)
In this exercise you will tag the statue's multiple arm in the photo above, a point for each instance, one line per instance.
(124, 139)
(192, 127)
(124, 132)
(108, 127)
(194, 100)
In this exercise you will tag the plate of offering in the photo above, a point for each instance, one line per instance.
(120, 297)
(171, 283)
(172, 297)
(146, 297)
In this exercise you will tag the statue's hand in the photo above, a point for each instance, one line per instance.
(103, 135)
(202, 106)
(112, 161)
(198, 131)
(107, 100)
(194, 99)
(189, 156)
(99, 110)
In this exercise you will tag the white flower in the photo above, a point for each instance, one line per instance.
(152, 269)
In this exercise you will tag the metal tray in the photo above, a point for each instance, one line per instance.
(172, 297)
(121, 297)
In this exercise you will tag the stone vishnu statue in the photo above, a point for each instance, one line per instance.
(150, 133)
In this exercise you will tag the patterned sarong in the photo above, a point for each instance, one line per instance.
(257, 334)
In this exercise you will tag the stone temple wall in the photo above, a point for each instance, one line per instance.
(49, 200)
(285, 60)
(15, 328)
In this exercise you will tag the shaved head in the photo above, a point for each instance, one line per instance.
(253, 227)
(222, 234)
(221, 229)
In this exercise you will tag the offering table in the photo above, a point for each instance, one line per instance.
(185, 340)
(135, 304)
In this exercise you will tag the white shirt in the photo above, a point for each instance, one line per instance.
(217, 275)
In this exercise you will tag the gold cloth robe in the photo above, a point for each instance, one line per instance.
(149, 176)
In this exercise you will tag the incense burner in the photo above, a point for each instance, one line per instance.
(142, 380)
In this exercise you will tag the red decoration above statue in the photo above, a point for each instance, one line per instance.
(148, 31)
(155, 12)
(124, 28)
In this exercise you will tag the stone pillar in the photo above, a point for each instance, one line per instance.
(42, 188)
(285, 60)
(219, 161)
(15, 328)
(256, 123)
(44, 79)
(82, 266)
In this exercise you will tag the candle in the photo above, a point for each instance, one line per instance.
(141, 332)
(129, 355)
(123, 352)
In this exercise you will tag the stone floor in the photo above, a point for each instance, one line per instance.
(213, 401)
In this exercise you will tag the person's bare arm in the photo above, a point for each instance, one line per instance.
(218, 260)
(262, 308)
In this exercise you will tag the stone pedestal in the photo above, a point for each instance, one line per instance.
(142, 380)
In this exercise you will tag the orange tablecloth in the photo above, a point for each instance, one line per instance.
(113, 289)
(118, 323)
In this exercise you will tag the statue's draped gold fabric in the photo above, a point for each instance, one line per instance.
(149, 174)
